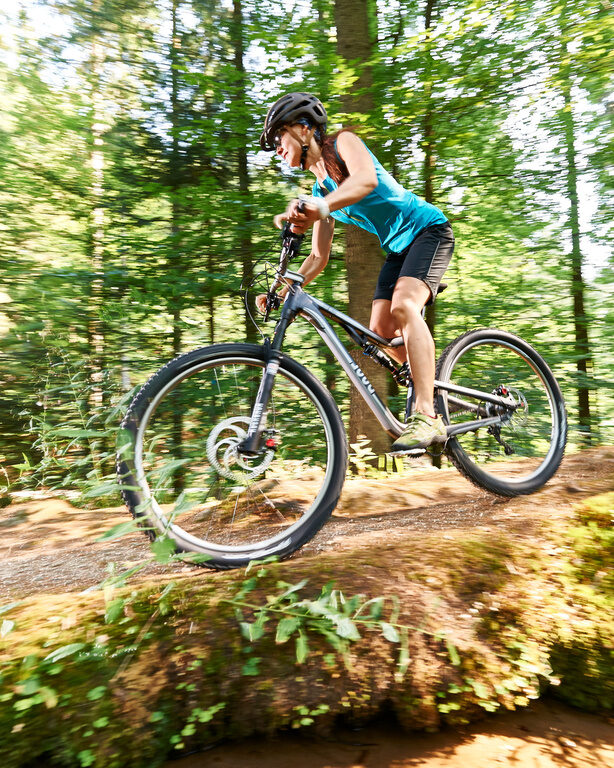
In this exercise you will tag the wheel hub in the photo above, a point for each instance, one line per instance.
(224, 457)
(513, 418)
(518, 417)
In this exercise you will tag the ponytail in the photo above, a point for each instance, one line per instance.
(335, 166)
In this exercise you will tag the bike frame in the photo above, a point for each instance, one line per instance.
(299, 303)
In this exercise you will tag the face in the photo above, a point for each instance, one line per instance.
(289, 141)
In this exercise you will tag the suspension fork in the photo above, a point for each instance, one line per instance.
(272, 352)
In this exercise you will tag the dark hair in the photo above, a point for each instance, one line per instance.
(335, 166)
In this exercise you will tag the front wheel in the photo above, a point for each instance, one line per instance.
(522, 451)
(182, 472)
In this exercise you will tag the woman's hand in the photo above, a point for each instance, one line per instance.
(261, 300)
(261, 303)
(300, 220)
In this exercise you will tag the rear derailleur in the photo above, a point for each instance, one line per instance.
(495, 429)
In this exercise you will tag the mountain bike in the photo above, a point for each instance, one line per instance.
(237, 452)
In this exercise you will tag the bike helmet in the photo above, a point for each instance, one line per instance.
(289, 109)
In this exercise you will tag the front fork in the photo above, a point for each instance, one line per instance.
(272, 351)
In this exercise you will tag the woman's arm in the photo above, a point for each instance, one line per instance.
(321, 241)
(362, 178)
(361, 181)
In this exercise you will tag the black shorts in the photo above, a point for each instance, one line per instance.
(425, 258)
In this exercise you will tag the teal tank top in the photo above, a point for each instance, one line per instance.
(390, 211)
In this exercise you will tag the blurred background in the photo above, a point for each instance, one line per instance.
(135, 203)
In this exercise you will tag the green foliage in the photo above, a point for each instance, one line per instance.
(74, 430)
(582, 650)
(330, 614)
(129, 242)
(305, 716)
(594, 544)
(362, 457)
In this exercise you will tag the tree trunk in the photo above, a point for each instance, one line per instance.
(95, 244)
(175, 182)
(245, 222)
(363, 258)
(428, 146)
(583, 355)
(428, 136)
(175, 255)
(211, 304)
(363, 255)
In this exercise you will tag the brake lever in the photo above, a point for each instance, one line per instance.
(291, 245)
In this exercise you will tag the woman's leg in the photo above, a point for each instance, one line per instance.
(419, 277)
(406, 282)
(384, 325)
(423, 427)
(409, 297)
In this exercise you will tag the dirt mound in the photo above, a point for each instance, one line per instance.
(493, 597)
(51, 546)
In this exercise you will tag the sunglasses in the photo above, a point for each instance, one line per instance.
(277, 136)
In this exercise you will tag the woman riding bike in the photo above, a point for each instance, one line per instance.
(352, 186)
(213, 452)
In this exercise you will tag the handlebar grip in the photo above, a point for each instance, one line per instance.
(291, 240)
(301, 209)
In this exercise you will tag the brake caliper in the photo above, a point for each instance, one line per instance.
(272, 441)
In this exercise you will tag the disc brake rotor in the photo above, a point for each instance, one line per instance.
(223, 454)
(520, 416)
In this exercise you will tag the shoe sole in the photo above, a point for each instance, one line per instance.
(410, 452)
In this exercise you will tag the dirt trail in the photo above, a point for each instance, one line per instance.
(50, 546)
(548, 735)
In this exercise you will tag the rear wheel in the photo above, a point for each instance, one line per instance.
(522, 452)
(183, 475)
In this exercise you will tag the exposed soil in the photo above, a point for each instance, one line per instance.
(548, 735)
(48, 545)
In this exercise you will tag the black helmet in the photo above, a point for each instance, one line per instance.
(289, 109)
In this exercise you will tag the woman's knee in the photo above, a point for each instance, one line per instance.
(381, 321)
(409, 297)
(405, 308)
(384, 329)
